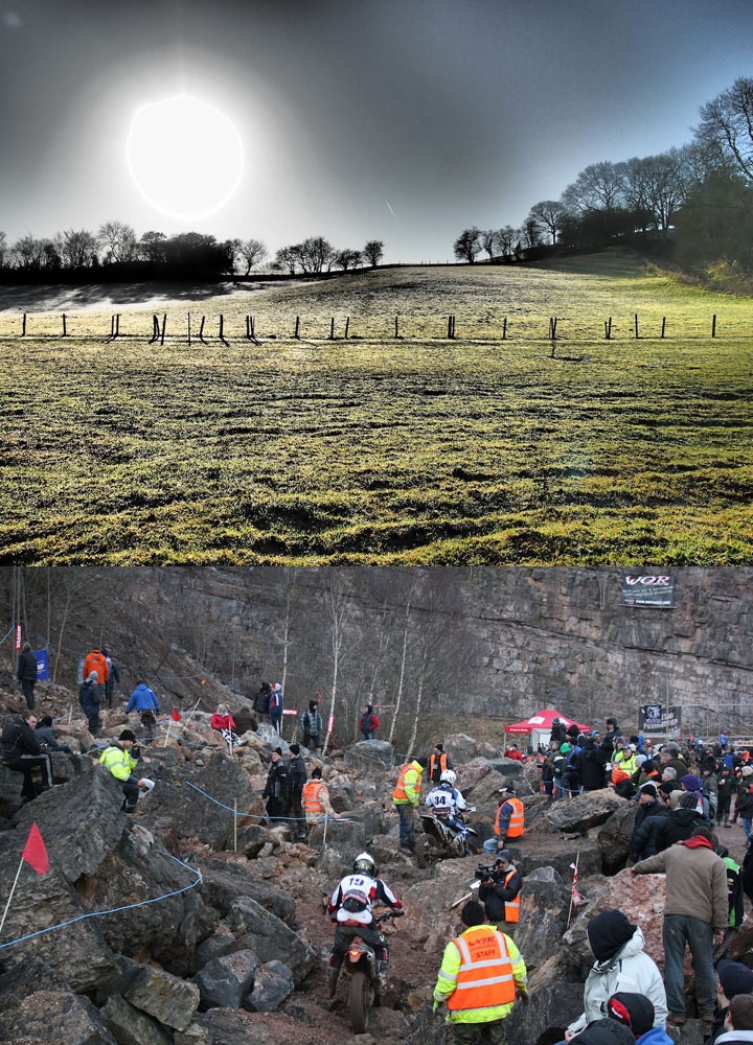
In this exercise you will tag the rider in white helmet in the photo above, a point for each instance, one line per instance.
(350, 909)
(445, 799)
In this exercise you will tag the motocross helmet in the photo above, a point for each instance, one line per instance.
(364, 864)
(448, 777)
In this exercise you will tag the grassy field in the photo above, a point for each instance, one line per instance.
(418, 449)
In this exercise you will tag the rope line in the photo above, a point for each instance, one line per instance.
(112, 910)
(255, 816)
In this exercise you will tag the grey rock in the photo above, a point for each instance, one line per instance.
(259, 930)
(589, 809)
(129, 1026)
(273, 983)
(169, 999)
(369, 758)
(544, 902)
(224, 982)
(223, 883)
(614, 837)
(54, 1015)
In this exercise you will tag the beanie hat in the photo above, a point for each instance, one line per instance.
(277, 751)
(127, 734)
(473, 913)
(295, 748)
(633, 1009)
(689, 800)
(608, 932)
(735, 978)
(564, 748)
(690, 782)
(649, 788)
(648, 766)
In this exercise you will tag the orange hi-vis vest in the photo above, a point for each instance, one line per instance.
(433, 763)
(516, 825)
(312, 803)
(400, 794)
(485, 978)
(512, 907)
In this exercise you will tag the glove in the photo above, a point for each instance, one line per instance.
(398, 914)
(435, 1006)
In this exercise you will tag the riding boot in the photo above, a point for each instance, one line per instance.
(333, 974)
(382, 970)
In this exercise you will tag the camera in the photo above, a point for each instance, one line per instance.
(492, 871)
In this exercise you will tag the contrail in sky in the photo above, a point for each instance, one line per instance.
(391, 210)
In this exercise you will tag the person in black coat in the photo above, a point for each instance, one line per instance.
(658, 833)
(297, 777)
(90, 699)
(648, 806)
(277, 788)
(593, 760)
(22, 752)
(27, 674)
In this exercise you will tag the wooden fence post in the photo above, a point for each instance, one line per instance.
(663, 325)
(397, 327)
(65, 328)
(347, 326)
(608, 328)
(332, 329)
(23, 329)
(155, 329)
(637, 335)
(713, 325)
(450, 326)
(504, 329)
(297, 335)
(201, 330)
(189, 329)
(164, 327)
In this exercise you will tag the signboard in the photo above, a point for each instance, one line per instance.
(648, 589)
(43, 665)
(657, 720)
(19, 636)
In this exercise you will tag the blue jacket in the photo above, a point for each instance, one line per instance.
(655, 1036)
(142, 699)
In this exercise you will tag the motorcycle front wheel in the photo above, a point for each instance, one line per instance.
(359, 1001)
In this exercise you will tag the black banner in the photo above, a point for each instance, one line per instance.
(648, 589)
(657, 720)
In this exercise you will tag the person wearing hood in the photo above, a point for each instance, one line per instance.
(696, 912)
(605, 1032)
(636, 1012)
(734, 979)
(621, 964)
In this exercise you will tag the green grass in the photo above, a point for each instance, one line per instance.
(376, 450)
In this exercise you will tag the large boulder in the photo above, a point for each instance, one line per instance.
(544, 906)
(461, 748)
(129, 1026)
(37, 1005)
(556, 1000)
(589, 809)
(257, 929)
(369, 758)
(222, 884)
(540, 849)
(614, 837)
(224, 982)
(273, 983)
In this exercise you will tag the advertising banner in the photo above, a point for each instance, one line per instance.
(656, 590)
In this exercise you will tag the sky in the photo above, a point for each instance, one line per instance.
(405, 121)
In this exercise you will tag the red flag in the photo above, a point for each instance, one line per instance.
(35, 852)
(176, 715)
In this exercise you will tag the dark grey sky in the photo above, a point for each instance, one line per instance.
(400, 120)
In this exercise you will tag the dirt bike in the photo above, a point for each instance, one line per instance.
(361, 964)
(444, 837)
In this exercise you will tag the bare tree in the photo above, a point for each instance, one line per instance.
(547, 215)
(726, 127)
(79, 248)
(505, 239)
(373, 252)
(346, 259)
(3, 248)
(253, 251)
(489, 242)
(118, 241)
(336, 602)
(152, 247)
(316, 252)
(468, 245)
(601, 186)
(403, 659)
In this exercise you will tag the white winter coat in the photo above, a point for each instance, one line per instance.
(630, 970)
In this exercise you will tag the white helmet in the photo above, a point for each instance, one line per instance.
(364, 864)
(448, 777)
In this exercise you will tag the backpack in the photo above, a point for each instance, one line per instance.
(355, 899)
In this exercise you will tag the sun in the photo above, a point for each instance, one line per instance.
(185, 157)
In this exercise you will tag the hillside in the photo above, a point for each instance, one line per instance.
(406, 416)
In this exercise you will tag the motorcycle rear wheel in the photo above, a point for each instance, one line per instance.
(360, 999)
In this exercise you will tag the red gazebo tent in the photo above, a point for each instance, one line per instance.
(539, 726)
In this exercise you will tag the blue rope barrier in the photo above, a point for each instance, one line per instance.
(112, 910)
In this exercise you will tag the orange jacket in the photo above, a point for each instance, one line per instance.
(97, 661)
(485, 978)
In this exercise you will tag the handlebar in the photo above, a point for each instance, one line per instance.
(386, 915)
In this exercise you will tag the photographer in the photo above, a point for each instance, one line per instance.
(499, 891)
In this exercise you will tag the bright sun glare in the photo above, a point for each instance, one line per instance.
(185, 157)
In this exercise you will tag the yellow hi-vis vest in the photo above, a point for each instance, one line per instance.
(400, 795)
(312, 802)
(516, 825)
(485, 978)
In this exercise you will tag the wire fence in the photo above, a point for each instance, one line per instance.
(189, 328)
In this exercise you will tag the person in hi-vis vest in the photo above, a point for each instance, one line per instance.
(509, 823)
(481, 976)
